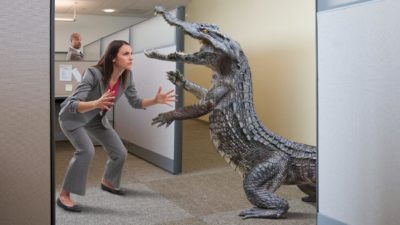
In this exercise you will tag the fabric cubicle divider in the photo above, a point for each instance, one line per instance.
(92, 51)
(26, 107)
(120, 35)
(358, 112)
(160, 146)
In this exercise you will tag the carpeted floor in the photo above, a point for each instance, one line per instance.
(208, 192)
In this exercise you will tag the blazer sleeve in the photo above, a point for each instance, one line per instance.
(81, 92)
(131, 94)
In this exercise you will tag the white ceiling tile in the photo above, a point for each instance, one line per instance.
(136, 8)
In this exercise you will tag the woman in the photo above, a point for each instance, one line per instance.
(84, 112)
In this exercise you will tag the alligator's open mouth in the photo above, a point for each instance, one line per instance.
(195, 30)
(214, 44)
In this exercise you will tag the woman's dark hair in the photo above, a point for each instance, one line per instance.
(105, 64)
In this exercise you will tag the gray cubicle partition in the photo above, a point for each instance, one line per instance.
(358, 112)
(64, 88)
(120, 35)
(25, 137)
(160, 146)
(61, 87)
(92, 51)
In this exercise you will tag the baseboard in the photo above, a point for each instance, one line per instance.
(150, 156)
(326, 220)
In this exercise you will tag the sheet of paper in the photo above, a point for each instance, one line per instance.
(65, 72)
(68, 87)
(77, 75)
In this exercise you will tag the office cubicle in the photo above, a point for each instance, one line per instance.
(160, 146)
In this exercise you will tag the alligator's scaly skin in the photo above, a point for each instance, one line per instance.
(264, 159)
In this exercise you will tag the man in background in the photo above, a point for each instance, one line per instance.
(74, 52)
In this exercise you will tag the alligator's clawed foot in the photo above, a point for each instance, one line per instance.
(309, 199)
(162, 119)
(176, 78)
(263, 213)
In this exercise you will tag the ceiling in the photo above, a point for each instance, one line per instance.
(135, 8)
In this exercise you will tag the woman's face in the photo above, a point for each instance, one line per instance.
(124, 58)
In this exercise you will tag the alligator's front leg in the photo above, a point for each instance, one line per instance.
(205, 106)
(261, 183)
(178, 79)
(187, 112)
(198, 58)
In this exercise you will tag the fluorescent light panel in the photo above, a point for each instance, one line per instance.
(65, 19)
(108, 10)
(73, 19)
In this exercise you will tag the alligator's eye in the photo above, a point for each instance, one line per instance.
(204, 31)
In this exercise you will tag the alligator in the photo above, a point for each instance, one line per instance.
(264, 159)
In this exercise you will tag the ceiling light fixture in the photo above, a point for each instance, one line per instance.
(108, 10)
(73, 19)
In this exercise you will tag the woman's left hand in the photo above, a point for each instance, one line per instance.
(165, 98)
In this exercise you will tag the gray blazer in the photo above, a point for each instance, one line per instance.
(92, 88)
(74, 55)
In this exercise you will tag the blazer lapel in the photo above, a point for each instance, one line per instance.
(120, 90)
(100, 79)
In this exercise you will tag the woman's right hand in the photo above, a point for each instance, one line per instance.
(106, 101)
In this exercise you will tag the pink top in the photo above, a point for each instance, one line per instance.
(113, 89)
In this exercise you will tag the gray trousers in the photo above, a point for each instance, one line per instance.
(76, 175)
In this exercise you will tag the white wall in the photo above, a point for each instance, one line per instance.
(90, 27)
(278, 38)
(359, 119)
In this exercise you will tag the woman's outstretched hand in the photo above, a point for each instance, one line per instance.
(105, 101)
(165, 98)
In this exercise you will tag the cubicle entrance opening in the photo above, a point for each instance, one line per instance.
(160, 146)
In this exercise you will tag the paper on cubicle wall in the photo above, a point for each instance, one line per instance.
(68, 87)
(65, 72)
(77, 75)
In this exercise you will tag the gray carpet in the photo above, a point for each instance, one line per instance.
(141, 205)
(208, 192)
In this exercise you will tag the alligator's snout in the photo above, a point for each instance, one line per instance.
(159, 10)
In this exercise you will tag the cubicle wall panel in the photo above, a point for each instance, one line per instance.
(358, 113)
(160, 146)
(120, 35)
(135, 125)
(153, 33)
(65, 87)
(92, 51)
(25, 189)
